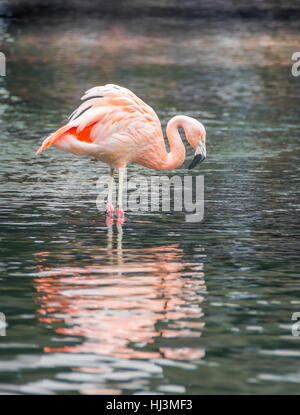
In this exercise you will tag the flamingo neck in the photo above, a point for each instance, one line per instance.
(176, 155)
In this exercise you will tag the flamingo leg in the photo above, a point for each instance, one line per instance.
(109, 205)
(120, 211)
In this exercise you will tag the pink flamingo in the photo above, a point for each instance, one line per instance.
(115, 126)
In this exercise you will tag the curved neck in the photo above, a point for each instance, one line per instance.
(176, 155)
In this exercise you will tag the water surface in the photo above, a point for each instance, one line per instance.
(167, 306)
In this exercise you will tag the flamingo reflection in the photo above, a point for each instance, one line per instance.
(131, 303)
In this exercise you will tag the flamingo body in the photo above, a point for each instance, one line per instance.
(115, 126)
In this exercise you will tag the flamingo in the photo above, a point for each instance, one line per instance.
(116, 127)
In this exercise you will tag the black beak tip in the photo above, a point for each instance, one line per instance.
(196, 161)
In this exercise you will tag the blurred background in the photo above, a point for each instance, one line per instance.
(164, 306)
(188, 8)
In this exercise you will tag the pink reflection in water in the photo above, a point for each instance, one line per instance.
(117, 307)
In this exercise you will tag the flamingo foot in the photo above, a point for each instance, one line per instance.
(109, 208)
(121, 216)
(109, 221)
(120, 212)
(120, 220)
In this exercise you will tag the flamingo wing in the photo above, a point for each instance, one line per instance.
(105, 111)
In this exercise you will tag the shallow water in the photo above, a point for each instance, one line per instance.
(166, 306)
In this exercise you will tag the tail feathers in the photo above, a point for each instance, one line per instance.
(52, 138)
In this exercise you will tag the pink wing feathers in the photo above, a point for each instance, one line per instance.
(105, 111)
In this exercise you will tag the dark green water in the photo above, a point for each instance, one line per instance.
(169, 307)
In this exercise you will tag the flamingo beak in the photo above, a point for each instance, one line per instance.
(200, 155)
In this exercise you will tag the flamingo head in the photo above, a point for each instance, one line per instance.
(195, 134)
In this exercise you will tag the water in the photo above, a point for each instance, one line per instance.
(167, 306)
